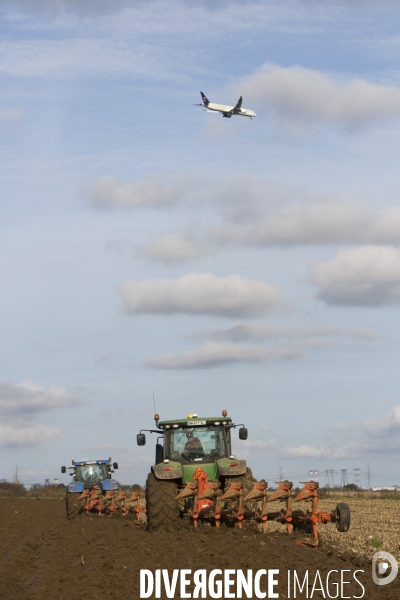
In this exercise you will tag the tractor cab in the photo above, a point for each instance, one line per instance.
(193, 440)
(202, 443)
(91, 473)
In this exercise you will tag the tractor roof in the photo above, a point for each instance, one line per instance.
(79, 463)
(194, 421)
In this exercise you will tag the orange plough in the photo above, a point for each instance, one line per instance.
(205, 501)
(113, 501)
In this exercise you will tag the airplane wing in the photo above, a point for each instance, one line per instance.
(236, 109)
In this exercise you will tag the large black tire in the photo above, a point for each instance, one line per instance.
(73, 505)
(342, 517)
(162, 508)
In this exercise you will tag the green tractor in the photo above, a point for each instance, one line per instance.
(194, 470)
(197, 477)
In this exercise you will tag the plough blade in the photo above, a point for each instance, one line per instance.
(213, 490)
(209, 505)
(112, 501)
(189, 491)
(233, 492)
(258, 492)
(283, 492)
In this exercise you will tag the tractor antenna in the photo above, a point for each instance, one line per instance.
(154, 403)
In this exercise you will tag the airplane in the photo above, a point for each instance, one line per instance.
(227, 111)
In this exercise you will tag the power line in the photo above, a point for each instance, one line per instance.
(343, 479)
(357, 477)
(329, 478)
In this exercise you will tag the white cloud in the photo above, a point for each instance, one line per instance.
(387, 425)
(28, 397)
(213, 354)
(259, 445)
(273, 214)
(175, 248)
(18, 406)
(324, 222)
(301, 97)
(12, 115)
(194, 188)
(255, 330)
(202, 294)
(12, 436)
(228, 349)
(147, 191)
(365, 276)
(377, 436)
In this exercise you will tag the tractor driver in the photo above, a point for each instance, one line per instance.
(91, 474)
(193, 445)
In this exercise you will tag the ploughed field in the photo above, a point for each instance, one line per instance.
(44, 556)
(375, 525)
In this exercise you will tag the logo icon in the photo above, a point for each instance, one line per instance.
(384, 568)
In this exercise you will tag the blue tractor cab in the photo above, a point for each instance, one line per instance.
(88, 474)
(92, 487)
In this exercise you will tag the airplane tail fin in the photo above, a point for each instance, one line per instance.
(205, 99)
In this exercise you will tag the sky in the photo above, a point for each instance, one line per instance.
(148, 247)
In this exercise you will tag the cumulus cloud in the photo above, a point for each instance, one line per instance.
(300, 97)
(192, 188)
(12, 436)
(147, 191)
(175, 248)
(365, 276)
(28, 398)
(324, 222)
(377, 436)
(254, 330)
(202, 294)
(213, 354)
(19, 404)
(272, 214)
(227, 345)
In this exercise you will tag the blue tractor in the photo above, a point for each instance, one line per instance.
(93, 490)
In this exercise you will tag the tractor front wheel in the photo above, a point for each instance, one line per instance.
(342, 515)
(73, 505)
(162, 508)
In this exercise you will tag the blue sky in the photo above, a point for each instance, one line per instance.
(247, 265)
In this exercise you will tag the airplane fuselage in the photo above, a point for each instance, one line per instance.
(228, 111)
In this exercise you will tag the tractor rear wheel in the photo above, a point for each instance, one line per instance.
(72, 505)
(162, 508)
(342, 514)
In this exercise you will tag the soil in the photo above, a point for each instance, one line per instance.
(45, 556)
